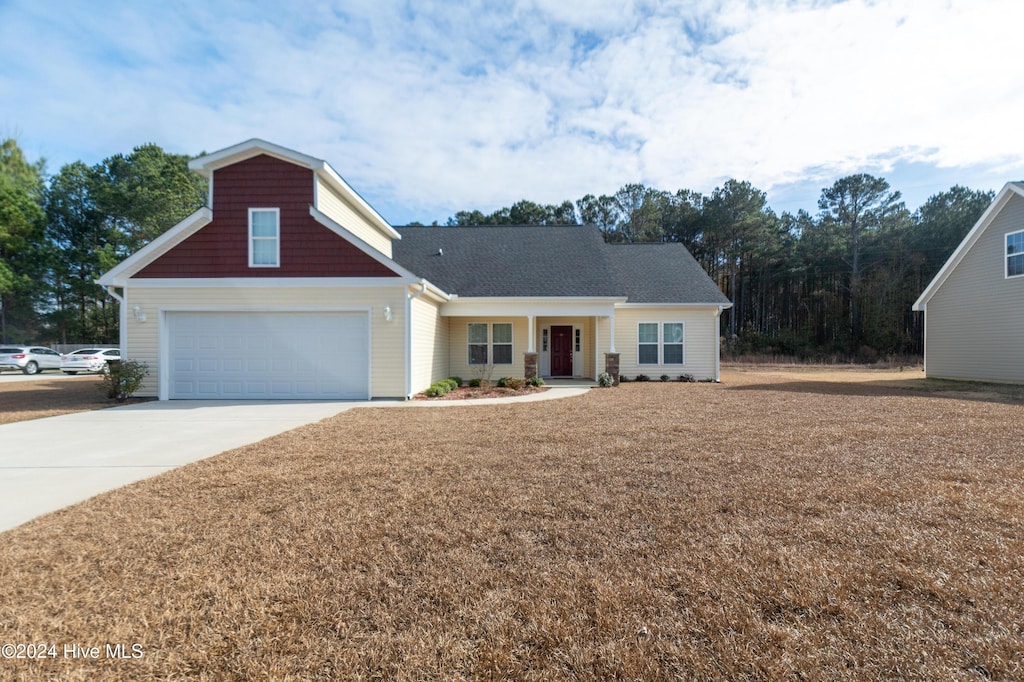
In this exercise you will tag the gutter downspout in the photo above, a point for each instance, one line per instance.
(122, 332)
(408, 336)
(718, 346)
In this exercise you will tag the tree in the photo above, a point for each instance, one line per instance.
(22, 247)
(856, 205)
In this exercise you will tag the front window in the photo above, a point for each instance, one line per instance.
(1015, 254)
(490, 344)
(264, 237)
(660, 343)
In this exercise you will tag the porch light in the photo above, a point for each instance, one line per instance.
(388, 315)
(139, 315)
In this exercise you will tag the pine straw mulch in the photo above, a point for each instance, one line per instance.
(775, 526)
(477, 392)
(42, 397)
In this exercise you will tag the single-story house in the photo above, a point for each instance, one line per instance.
(289, 285)
(974, 307)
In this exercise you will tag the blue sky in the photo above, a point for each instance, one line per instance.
(431, 108)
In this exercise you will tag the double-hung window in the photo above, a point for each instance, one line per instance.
(660, 343)
(490, 344)
(264, 237)
(1015, 254)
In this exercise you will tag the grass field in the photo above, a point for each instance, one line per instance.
(780, 525)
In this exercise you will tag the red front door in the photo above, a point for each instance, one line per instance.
(561, 351)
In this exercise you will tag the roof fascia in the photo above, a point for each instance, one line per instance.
(330, 224)
(1008, 191)
(712, 306)
(120, 273)
(205, 165)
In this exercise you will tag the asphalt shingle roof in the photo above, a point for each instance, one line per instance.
(551, 261)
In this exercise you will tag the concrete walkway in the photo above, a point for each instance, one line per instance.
(47, 464)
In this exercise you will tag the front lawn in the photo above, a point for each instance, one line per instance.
(775, 526)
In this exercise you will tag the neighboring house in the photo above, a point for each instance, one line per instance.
(974, 308)
(289, 285)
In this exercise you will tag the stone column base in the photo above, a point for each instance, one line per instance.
(611, 366)
(530, 363)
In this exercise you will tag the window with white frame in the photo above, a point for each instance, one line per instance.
(1015, 254)
(661, 343)
(490, 344)
(264, 237)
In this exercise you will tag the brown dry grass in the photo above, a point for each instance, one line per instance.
(777, 526)
(22, 400)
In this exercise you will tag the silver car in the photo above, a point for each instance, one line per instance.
(29, 359)
(88, 360)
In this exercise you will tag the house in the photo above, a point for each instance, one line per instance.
(289, 285)
(974, 307)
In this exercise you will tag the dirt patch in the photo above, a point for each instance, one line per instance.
(773, 526)
(22, 400)
(476, 392)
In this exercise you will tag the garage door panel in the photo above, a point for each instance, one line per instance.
(268, 355)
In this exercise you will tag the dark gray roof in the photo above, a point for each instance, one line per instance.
(551, 261)
(662, 273)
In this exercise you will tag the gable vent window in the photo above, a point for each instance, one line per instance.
(1015, 254)
(264, 237)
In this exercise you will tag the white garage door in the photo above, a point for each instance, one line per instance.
(268, 355)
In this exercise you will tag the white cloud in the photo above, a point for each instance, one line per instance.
(438, 108)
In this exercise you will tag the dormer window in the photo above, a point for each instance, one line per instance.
(264, 237)
(1015, 254)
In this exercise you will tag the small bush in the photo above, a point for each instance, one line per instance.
(122, 379)
(665, 377)
(511, 382)
(451, 383)
(642, 377)
(604, 380)
(623, 379)
(457, 380)
(535, 381)
(438, 389)
(474, 383)
(687, 378)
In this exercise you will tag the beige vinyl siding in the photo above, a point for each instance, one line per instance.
(975, 320)
(387, 339)
(429, 344)
(458, 334)
(700, 337)
(345, 214)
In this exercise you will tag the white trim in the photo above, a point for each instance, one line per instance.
(718, 345)
(163, 343)
(1008, 256)
(206, 165)
(524, 307)
(236, 282)
(120, 273)
(1009, 190)
(660, 343)
(409, 298)
(679, 306)
(277, 237)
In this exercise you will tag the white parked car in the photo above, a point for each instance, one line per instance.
(88, 360)
(28, 359)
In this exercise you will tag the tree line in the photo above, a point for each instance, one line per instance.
(838, 282)
(59, 234)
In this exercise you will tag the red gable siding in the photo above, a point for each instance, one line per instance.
(221, 249)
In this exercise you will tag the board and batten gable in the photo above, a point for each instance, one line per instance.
(221, 248)
(974, 320)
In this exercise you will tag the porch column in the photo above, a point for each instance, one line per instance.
(611, 335)
(530, 357)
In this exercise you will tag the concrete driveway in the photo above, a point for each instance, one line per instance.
(48, 464)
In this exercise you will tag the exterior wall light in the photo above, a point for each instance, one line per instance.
(139, 315)
(388, 315)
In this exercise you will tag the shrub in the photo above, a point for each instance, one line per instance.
(438, 389)
(451, 383)
(122, 379)
(535, 381)
(511, 382)
(474, 382)
(457, 380)
(687, 378)
(604, 380)
(623, 379)
(642, 377)
(665, 377)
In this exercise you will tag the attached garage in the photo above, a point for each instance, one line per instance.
(267, 355)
